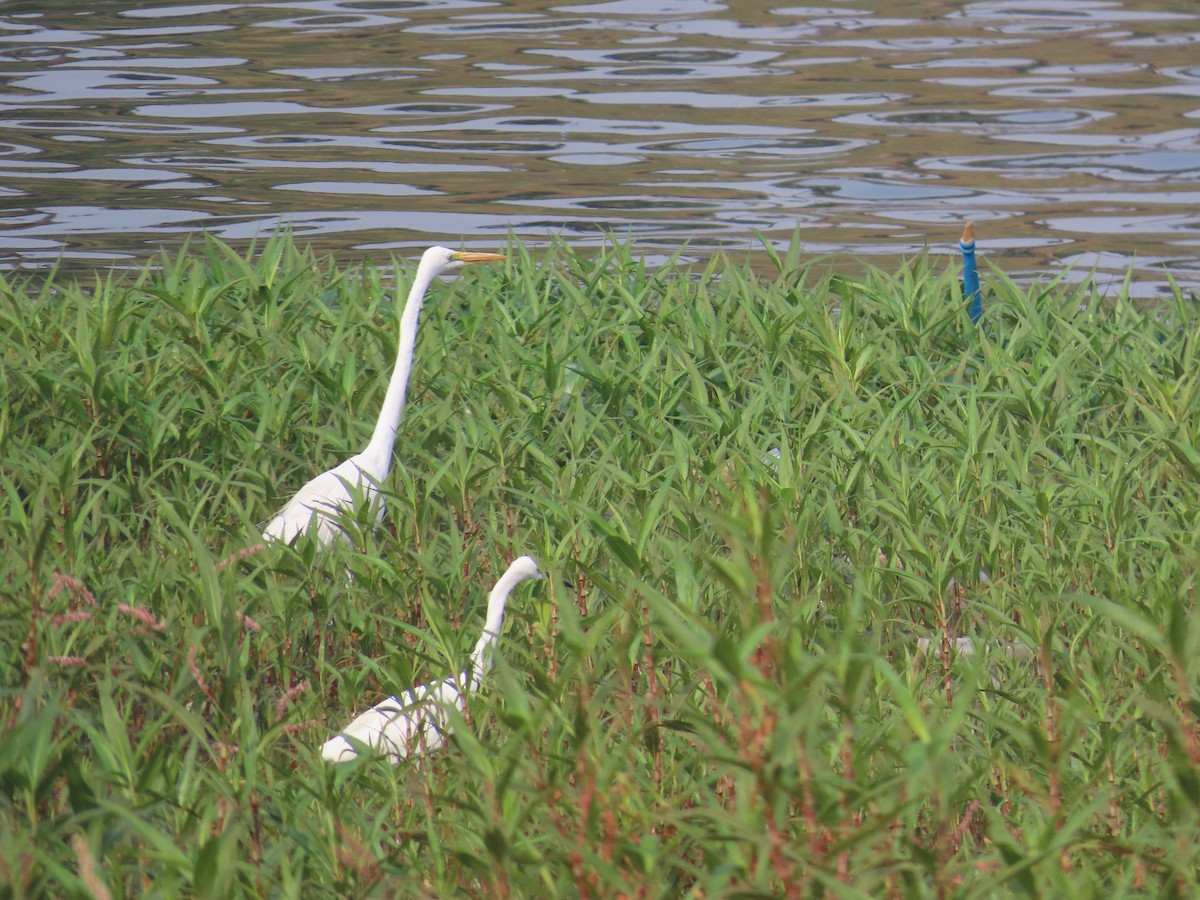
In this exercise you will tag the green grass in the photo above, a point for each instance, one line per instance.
(719, 690)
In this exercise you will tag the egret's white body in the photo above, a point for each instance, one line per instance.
(321, 502)
(418, 720)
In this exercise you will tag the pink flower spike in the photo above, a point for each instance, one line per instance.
(240, 555)
(72, 583)
(67, 660)
(195, 670)
(291, 695)
(142, 615)
(77, 615)
(248, 623)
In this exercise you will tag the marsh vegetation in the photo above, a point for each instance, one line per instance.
(723, 685)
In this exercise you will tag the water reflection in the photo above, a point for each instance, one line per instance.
(982, 121)
(1068, 132)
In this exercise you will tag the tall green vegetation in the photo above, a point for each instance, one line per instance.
(743, 676)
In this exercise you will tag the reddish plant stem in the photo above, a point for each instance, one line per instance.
(652, 673)
(847, 757)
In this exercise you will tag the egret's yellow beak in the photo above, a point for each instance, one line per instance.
(468, 256)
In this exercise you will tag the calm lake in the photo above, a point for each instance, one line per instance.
(1069, 131)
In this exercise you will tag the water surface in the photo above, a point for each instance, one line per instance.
(1070, 131)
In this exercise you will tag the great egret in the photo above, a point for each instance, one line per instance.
(320, 502)
(417, 721)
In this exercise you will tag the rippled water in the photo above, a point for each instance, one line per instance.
(1070, 131)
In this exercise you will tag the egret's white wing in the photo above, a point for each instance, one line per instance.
(325, 498)
(414, 722)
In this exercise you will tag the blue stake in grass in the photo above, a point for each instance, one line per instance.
(970, 273)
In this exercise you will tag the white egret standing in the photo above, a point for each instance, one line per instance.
(417, 721)
(320, 502)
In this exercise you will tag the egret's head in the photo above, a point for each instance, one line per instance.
(443, 259)
(525, 567)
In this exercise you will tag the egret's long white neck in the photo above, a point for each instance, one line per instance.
(481, 660)
(380, 449)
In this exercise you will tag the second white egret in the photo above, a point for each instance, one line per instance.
(418, 720)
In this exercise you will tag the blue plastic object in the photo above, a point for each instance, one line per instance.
(971, 274)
